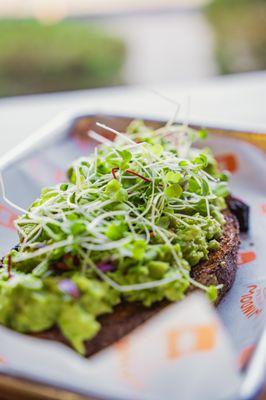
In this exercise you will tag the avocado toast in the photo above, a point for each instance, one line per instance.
(141, 222)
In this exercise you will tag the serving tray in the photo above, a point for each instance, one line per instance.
(44, 158)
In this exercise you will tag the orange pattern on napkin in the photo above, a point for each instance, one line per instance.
(191, 339)
(263, 208)
(123, 350)
(227, 162)
(7, 217)
(246, 257)
(245, 355)
(251, 302)
(59, 176)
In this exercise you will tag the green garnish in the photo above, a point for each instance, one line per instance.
(133, 219)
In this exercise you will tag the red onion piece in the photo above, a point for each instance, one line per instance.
(106, 267)
(69, 287)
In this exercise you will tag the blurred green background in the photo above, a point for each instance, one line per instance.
(95, 45)
(239, 28)
(37, 57)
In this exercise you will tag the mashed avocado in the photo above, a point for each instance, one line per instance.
(132, 221)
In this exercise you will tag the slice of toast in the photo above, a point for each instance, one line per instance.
(220, 268)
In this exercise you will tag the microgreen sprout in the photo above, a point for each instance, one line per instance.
(162, 196)
(130, 224)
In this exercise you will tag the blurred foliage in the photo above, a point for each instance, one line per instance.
(240, 32)
(43, 58)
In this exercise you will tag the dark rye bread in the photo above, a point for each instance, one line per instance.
(220, 268)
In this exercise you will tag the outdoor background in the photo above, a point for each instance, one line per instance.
(56, 45)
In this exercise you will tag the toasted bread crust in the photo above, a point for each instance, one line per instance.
(220, 268)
